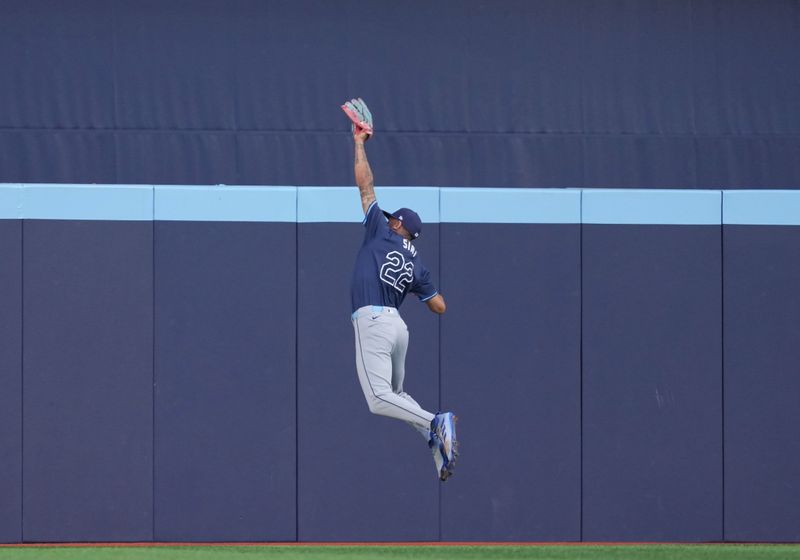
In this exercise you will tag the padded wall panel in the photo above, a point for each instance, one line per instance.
(418, 50)
(510, 358)
(636, 68)
(308, 83)
(57, 156)
(652, 383)
(175, 64)
(88, 381)
(525, 78)
(700, 70)
(744, 66)
(299, 159)
(762, 451)
(11, 381)
(744, 163)
(361, 477)
(411, 159)
(521, 161)
(225, 381)
(478, 160)
(181, 158)
(58, 65)
(417, 93)
(408, 159)
(628, 161)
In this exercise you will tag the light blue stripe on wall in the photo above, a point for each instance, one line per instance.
(343, 204)
(761, 207)
(423, 200)
(651, 206)
(511, 206)
(10, 202)
(88, 202)
(328, 204)
(226, 204)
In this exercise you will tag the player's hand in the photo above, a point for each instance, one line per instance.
(361, 117)
(360, 135)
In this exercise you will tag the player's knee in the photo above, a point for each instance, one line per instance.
(377, 399)
(374, 405)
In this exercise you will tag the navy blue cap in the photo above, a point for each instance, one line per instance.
(410, 220)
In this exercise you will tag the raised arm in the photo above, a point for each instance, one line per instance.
(363, 172)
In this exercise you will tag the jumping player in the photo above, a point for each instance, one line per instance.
(387, 268)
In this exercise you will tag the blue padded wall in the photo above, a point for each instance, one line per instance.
(177, 364)
(294, 159)
(636, 70)
(762, 451)
(630, 161)
(665, 93)
(11, 380)
(88, 383)
(545, 85)
(411, 159)
(59, 66)
(305, 81)
(224, 381)
(766, 162)
(360, 476)
(57, 156)
(744, 58)
(145, 157)
(652, 401)
(174, 64)
(510, 364)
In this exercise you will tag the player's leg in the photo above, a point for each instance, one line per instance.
(443, 469)
(399, 373)
(375, 340)
(442, 435)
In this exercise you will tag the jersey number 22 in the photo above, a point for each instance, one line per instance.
(397, 272)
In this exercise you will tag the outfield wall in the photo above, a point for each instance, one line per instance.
(177, 365)
(466, 93)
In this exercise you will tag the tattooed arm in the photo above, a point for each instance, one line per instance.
(363, 172)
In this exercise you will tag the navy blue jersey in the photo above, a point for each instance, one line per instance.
(387, 266)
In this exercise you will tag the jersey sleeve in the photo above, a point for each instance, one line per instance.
(423, 284)
(374, 221)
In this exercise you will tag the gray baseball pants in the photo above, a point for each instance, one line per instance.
(381, 345)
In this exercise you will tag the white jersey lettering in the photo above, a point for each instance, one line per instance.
(396, 271)
(408, 246)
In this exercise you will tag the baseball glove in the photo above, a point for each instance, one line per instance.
(358, 112)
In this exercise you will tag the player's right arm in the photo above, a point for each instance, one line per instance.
(436, 304)
(424, 288)
(363, 172)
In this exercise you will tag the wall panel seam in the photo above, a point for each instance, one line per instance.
(580, 361)
(722, 351)
(22, 380)
(297, 372)
(153, 372)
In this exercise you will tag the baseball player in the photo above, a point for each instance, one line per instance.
(387, 268)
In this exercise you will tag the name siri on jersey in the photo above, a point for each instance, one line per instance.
(409, 247)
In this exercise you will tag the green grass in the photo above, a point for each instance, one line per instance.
(536, 552)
